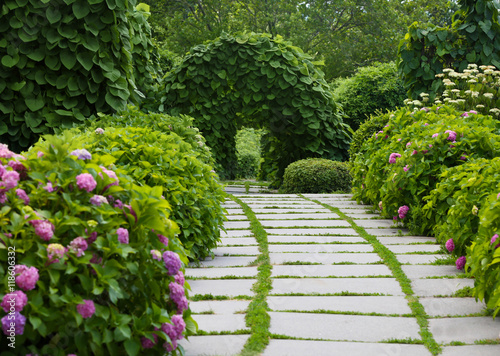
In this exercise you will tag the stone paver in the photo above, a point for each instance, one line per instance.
(219, 306)
(225, 241)
(451, 306)
(419, 259)
(236, 217)
(391, 240)
(236, 233)
(472, 350)
(387, 232)
(335, 348)
(237, 225)
(423, 271)
(375, 223)
(330, 270)
(221, 272)
(313, 239)
(317, 209)
(441, 286)
(343, 327)
(294, 216)
(224, 262)
(319, 231)
(228, 287)
(237, 250)
(466, 330)
(220, 323)
(324, 258)
(321, 248)
(362, 216)
(400, 249)
(305, 223)
(387, 286)
(235, 211)
(214, 345)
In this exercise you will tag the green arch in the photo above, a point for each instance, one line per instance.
(253, 79)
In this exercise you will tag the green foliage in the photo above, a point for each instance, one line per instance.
(248, 152)
(483, 256)
(265, 79)
(371, 126)
(372, 88)
(473, 37)
(62, 61)
(190, 186)
(316, 175)
(423, 157)
(129, 288)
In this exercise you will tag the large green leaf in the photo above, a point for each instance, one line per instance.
(35, 103)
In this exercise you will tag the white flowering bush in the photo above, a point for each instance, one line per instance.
(89, 262)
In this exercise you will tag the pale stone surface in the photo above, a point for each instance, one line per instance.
(228, 287)
(219, 306)
(236, 233)
(225, 241)
(321, 248)
(387, 232)
(211, 322)
(214, 345)
(466, 330)
(324, 258)
(319, 231)
(330, 270)
(423, 271)
(354, 211)
(471, 350)
(343, 327)
(374, 223)
(238, 250)
(237, 217)
(221, 272)
(331, 196)
(387, 286)
(280, 205)
(336, 348)
(392, 240)
(313, 239)
(419, 259)
(399, 249)
(362, 216)
(234, 211)
(293, 216)
(318, 209)
(368, 304)
(442, 286)
(451, 306)
(305, 223)
(225, 261)
(237, 224)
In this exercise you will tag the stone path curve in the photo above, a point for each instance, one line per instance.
(331, 293)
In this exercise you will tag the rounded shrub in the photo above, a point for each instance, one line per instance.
(316, 175)
(90, 258)
(164, 159)
(375, 87)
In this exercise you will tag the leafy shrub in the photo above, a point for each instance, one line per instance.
(374, 124)
(401, 165)
(248, 152)
(87, 243)
(62, 63)
(190, 186)
(316, 175)
(375, 87)
(483, 256)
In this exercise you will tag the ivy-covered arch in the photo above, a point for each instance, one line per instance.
(253, 79)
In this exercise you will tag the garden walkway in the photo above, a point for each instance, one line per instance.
(344, 282)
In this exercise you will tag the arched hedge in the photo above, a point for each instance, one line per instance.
(258, 81)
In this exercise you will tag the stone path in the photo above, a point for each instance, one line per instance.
(332, 294)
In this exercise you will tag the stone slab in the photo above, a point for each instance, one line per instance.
(321, 248)
(236, 217)
(224, 262)
(335, 348)
(225, 241)
(419, 259)
(442, 286)
(236, 233)
(237, 250)
(387, 286)
(304, 223)
(451, 306)
(328, 195)
(423, 271)
(293, 216)
(362, 216)
(393, 240)
(319, 231)
(313, 239)
(237, 225)
(219, 306)
(318, 209)
(228, 287)
(330, 270)
(387, 232)
(343, 327)
(471, 350)
(368, 304)
(218, 323)
(214, 345)
(324, 258)
(354, 211)
(271, 200)
(375, 223)
(233, 211)
(281, 205)
(466, 330)
(400, 249)
(221, 272)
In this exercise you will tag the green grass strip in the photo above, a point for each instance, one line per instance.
(395, 266)
(257, 317)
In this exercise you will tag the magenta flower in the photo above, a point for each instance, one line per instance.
(43, 228)
(78, 246)
(402, 211)
(408, 144)
(178, 297)
(98, 200)
(118, 204)
(414, 152)
(14, 301)
(40, 154)
(148, 344)
(22, 195)
(450, 245)
(465, 114)
(472, 112)
(111, 175)
(55, 252)
(17, 319)
(81, 154)
(172, 262)
(393, 156)
(460, 263)
(164, 240)
(406, 168)
(452, 135)
(92, 237)
(99, 131)
(131, 211)
(122, 235)
(86, 182)
(87, 309)
(49, 187)
(494, 238)
(156, 255)
(179, 278)
(6, 153)
(27, 279)
(10, 179)
(435, 135)
(174, 331)
(17, 166)
(426, 124)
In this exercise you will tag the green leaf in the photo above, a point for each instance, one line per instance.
(85, 59)
(35, 321)
(68, 59)
(35, 103)
(133, 347)
(81, 9)
(9, 61)
(53, 15)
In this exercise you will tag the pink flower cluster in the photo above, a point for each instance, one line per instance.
(402, 211)
(122, 235)
(393, 156)
(98, 200)
(14, 301)
(494, 238)
(78, 246)
(460, 263)
(86, 182)
(43, 228)
(19, 321)
(178, 297)
(87, 309)
(156, 255)
(55, 252)
(26, 277)
(174, 331)
(452, 135)
(81, 154)
(23, 196)
(164, 240)
(450, 245)
(172, 262)
(111, 175)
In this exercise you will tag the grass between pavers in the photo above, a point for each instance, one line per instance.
(388, 341)
(341, 312)
(257, 317)
(395, 266)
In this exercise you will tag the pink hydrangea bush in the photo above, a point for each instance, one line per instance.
(100, 256)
